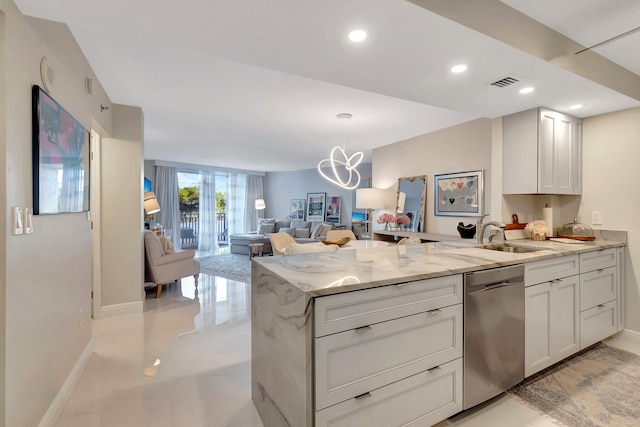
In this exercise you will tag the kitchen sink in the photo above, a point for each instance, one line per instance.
(505, 247)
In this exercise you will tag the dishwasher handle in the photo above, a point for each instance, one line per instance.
(491, 287)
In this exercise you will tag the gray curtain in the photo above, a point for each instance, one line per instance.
(207, 234)
(255, 190)
(167, 195)
(237, 202)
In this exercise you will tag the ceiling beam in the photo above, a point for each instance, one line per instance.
(504, 23)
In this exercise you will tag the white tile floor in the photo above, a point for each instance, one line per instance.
(186, 362)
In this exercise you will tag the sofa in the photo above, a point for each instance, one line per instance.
(301, 231)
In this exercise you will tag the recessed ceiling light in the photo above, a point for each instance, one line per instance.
(357, 35)
(459, 68)
(527, 90)
(576, 106)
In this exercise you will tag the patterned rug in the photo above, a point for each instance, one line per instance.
(597, 387)
(230, 266)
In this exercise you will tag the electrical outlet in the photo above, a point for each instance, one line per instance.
(80, 317)
(596, 217)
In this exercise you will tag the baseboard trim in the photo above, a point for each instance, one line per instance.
(626, 336)
(64, 394)
(119, 310)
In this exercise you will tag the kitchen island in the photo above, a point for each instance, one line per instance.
(306, 307)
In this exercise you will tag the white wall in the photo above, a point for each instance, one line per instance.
(611, 149)
(122, 202)
(47, 274)
(460, 148)
(281, 187)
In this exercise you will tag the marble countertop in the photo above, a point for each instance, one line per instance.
(329, 273)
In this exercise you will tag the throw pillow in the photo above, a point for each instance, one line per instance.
(266, 221)
(167, 246)
(325, 229)
(266, 228)
(302, 232)
(282, 223)
(290, 231)
(298, 223)
(317, 229)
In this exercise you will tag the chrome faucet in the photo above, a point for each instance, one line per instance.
(481, 227)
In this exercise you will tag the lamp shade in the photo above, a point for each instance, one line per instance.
(370, 198)
(151, 205)
(260, 204)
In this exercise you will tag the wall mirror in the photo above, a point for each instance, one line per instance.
(411, 200)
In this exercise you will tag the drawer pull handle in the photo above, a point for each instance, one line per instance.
(556, 281)
(436, 311)
(399, 285)
(600, 270)
(600, 305)
(362, 328)
(434, 369)
(363, 396)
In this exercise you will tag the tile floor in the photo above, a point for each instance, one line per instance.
(186, 362)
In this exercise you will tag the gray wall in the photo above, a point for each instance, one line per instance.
(281, 187)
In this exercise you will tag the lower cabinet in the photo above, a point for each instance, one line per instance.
(420, 400)
(390, 355)
(598, 323)
(552, 324)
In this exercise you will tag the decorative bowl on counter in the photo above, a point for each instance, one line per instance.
(466, 231)
(340, 242)
(577, 231)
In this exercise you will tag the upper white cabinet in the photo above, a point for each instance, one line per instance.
(542, 153)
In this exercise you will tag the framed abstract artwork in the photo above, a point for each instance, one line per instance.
(459, 194)
(316, 206)
(333, 209)
(297, 209)
(60, 158)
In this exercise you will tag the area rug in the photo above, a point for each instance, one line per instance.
(230, 266)
(597, 387)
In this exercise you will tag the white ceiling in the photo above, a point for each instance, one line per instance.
(257, 85)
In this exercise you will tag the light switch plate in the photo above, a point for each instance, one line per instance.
(596, 217)
(27, 221)
(16, 221)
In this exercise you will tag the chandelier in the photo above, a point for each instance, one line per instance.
(342, 167)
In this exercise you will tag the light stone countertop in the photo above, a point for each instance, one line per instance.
(329, 273)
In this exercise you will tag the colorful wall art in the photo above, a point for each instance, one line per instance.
(459, 194)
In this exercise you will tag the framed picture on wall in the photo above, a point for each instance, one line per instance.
(459, 194)
(297, 209)
(316, 206)
(333, 209)
(60, 158)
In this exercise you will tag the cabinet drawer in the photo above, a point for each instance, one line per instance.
(598, 323)
(420, 400)
(597, 287)
(550, 269)
(357, 361)
(341, 312)
(595, 260)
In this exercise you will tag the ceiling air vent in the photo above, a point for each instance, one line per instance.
(504, 82)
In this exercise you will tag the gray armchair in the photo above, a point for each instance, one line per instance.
(161, 268)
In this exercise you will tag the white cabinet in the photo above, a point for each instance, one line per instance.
(599, 288)
(551, 322)
(542, 152)
(420, 400)
(622, 290)
(390, 355)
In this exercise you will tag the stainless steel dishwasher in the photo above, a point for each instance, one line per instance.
(493, 333)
